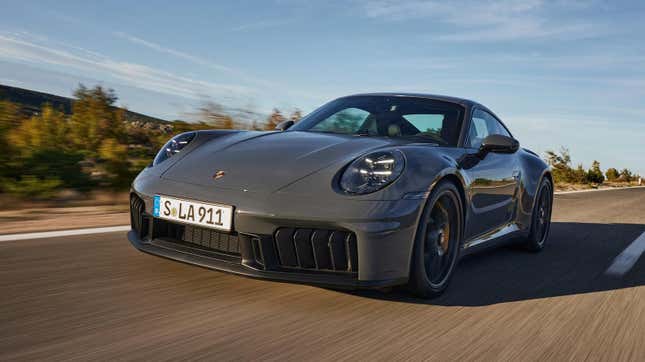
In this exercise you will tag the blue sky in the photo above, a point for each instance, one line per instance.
(562, 72)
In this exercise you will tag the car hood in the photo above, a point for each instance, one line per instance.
(267, 162)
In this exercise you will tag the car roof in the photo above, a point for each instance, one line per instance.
(462, 101)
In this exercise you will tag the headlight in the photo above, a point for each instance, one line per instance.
(372, 172)
(174, 146)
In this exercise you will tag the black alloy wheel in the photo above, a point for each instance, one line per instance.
(541, 220)
(439, 240)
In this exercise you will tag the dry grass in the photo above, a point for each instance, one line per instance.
(66, 199)
(96, 209)
(563, 186)
(61, 218)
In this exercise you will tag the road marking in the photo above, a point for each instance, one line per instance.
(626, 260)
(597, 190)
(53, 234)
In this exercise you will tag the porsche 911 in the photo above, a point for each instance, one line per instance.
(367, 191)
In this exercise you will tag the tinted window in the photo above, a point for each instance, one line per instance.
(482, 125)
(419, 119)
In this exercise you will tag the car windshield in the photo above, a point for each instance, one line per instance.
(421, 119)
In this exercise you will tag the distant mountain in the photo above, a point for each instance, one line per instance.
(32, 101)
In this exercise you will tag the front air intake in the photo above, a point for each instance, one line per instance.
(317, 249)
(138, 220)
(194, 236)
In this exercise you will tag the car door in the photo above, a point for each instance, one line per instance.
(494, 179)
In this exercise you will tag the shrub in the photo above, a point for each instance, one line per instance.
(594, 175)
(625, 175)
(57, 164)
(32, 186)
(612, 174)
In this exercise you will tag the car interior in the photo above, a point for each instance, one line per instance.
(441, 126)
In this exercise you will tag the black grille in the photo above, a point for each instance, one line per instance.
(218, 241)
(138, 221)
(317, 249)
(212, 239)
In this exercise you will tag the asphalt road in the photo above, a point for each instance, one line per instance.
(96, 297)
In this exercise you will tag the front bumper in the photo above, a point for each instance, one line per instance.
(383, 232)
(204, 259)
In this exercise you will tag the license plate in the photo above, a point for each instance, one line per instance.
(193, 212)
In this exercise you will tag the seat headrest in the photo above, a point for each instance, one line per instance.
(393, 130)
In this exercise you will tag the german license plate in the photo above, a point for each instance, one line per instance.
(212, 216)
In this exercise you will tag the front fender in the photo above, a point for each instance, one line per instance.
(425, 165)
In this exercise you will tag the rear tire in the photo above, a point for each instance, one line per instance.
(541, 217)
(438, 242)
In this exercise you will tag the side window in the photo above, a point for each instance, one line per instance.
(478, 130)
(495, 127)
(348, 120)
(484, 124)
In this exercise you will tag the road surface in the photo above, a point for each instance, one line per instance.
(96, 297)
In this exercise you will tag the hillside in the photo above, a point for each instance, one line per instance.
(32, 101)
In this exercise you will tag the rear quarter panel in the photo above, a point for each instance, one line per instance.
(534, 169)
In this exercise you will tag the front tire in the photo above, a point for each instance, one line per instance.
(541, 218)
(438, 242)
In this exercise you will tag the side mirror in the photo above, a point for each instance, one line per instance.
(499, 144)
(284, 125)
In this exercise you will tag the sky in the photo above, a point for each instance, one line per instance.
(558, 73)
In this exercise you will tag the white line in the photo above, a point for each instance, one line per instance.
(597, 190)
(53, 234)
(626, 260)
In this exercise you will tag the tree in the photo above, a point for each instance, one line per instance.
(554, 159)
(296, 115)
(95, 118)
(43, 160)
(98, 129)
(9, 119)
(246, 117)
(115, 158)
(256, 126)
(612, 174)
(594, 175)
(274, 119)
(579, 175)
(48, 130)
(625, 175)
(561, 165)
(213, 114)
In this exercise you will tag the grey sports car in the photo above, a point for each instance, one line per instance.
(367, 191)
